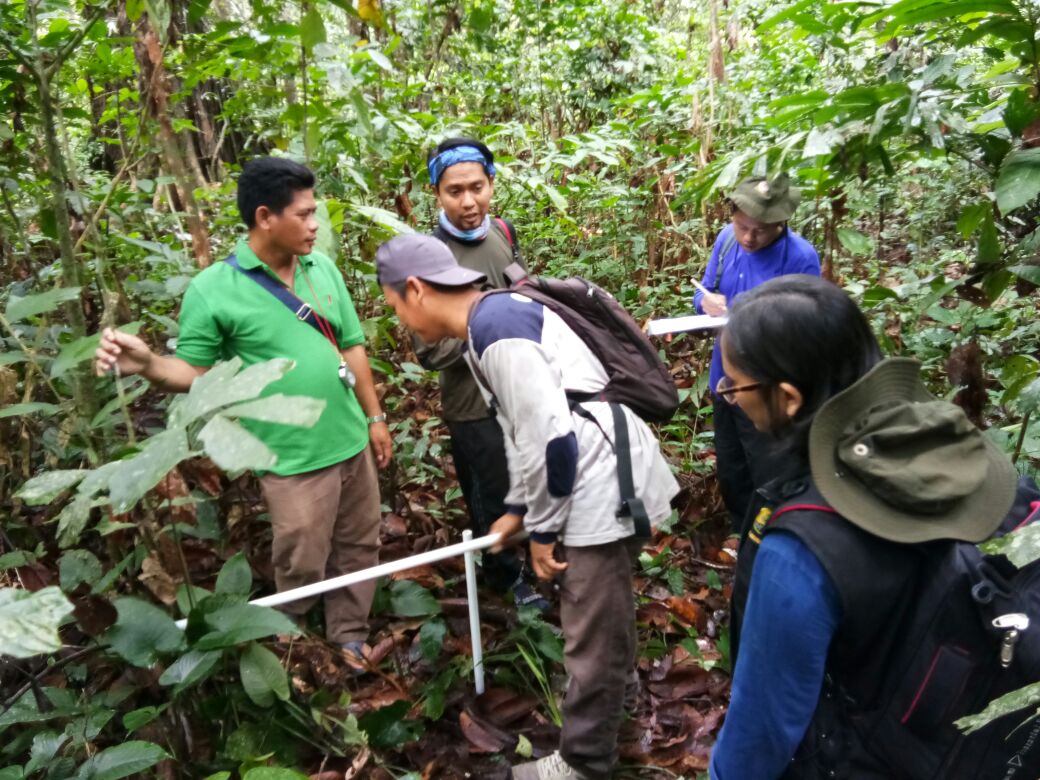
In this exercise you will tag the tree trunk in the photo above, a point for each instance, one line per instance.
(71, 268)
(155, 93)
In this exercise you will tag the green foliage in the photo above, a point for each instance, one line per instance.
(1021, 547)
(263, 677)
(910, 128)
(121, 761)
(200, 422)
(1007, 704)
(29, 621)
(143, 632)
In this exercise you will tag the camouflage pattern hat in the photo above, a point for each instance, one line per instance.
(767, 200)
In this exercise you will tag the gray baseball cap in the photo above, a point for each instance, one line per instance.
(424, 257)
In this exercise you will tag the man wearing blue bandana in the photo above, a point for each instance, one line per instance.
(462, 175)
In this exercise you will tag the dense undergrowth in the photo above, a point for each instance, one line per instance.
(912, 128)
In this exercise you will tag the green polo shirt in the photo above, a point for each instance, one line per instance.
(226, 314)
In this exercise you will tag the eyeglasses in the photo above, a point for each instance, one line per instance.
(726, 390)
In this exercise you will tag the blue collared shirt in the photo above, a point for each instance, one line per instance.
(742, 271)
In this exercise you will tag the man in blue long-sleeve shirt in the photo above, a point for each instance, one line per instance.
(755, 247)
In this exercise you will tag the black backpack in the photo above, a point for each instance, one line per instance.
(636, 376)
(967, 634)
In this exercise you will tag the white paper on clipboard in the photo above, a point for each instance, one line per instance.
(681, 324)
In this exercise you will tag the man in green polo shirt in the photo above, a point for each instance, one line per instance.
(323, 492)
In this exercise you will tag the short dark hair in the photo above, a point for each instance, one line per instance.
(272, 182)
(802, 330)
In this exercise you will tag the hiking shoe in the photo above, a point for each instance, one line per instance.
(526, 596)
(552, 767)
(356, 655)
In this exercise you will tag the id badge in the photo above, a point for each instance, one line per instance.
(346, 376)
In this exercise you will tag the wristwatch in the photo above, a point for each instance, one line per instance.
(378, 418)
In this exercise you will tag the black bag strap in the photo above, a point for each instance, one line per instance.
(631, 506)
(301, 309)
(730, 243)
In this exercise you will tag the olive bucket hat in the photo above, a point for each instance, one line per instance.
(767, 200)
(901, 464)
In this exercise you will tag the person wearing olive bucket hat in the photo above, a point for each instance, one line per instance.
(755, 247)
(877, 471)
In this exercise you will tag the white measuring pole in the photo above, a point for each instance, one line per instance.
(474, 615)
(466, 547)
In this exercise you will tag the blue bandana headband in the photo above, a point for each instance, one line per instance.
(457, 154)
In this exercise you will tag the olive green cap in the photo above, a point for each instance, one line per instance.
(905, 466)
(767, 200)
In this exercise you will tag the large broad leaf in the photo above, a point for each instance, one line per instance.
(41, 303)
(410, 599)
(1021, 547)
(1019, 179)
(223, 385)
(74, 353)
(29, 621)
(235, 576)
(855, 242)
(1029, 398)
(143, 632)
(263, 677)
(1031, 273)
(387, 727)
(298, 410)
(137, 475)
(190, 668)
(44, 488)
(45, 747)
(121, 761)
(77, 567)
(233, 448)
(1021, 111)
(1005, 705)
(240, 623)
(382, 217)
(821, 141)
(312, 28)
(73, 519)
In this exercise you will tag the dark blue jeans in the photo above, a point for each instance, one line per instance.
(479, 452)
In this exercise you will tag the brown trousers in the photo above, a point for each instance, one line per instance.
(597, 612)
(326, 523)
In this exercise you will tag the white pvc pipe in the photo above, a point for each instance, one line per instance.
(466, 547)
(474, 616)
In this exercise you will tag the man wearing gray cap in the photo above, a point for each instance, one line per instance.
(755, 247)
(563, 484)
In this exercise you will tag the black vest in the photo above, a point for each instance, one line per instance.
(873, 577)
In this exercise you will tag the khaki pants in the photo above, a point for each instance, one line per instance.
(597, 612)
(326, 523)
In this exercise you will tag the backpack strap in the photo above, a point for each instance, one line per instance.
(300, 308)
(631, 506)
(720, 266)
(507, 229)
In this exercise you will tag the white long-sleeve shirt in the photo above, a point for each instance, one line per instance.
(562, 467)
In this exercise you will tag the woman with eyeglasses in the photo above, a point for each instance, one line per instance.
(873, 465)
(755, 247)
